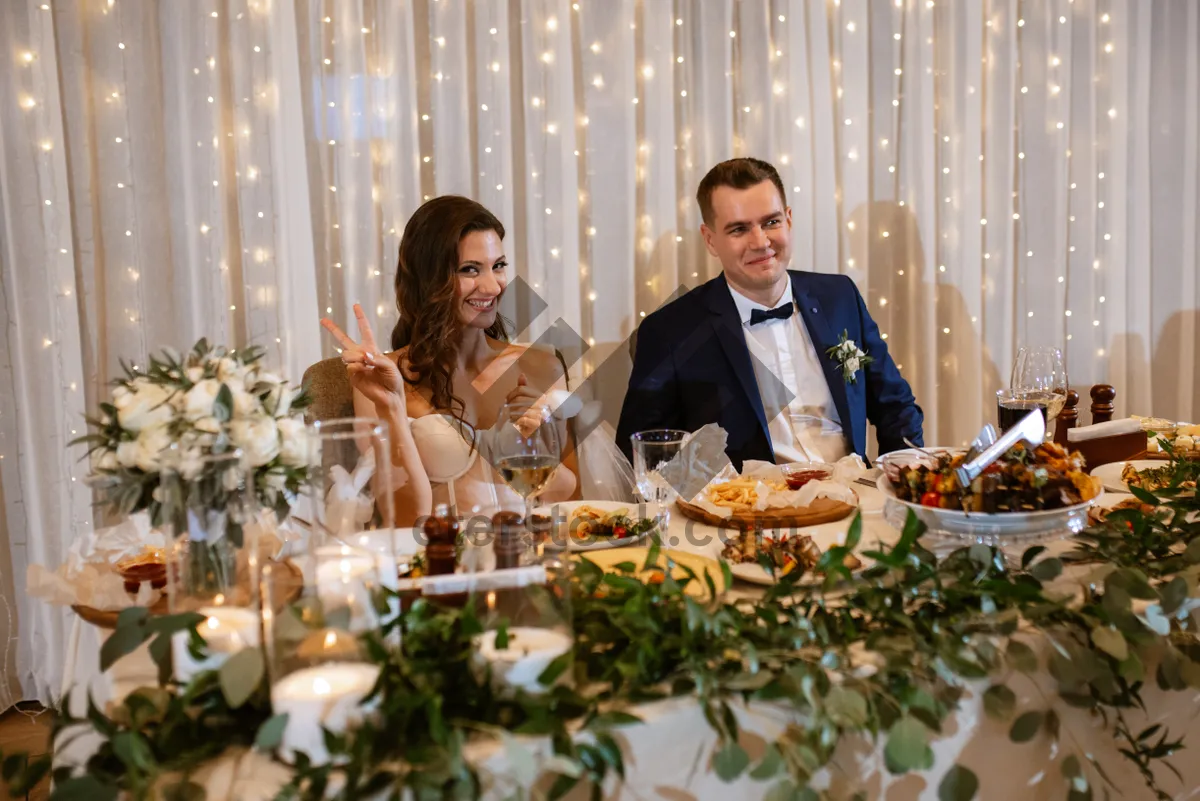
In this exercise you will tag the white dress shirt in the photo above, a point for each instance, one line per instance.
(807, 429)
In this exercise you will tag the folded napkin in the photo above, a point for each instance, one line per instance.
(1112, 428)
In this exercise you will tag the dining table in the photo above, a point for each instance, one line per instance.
(668, 755)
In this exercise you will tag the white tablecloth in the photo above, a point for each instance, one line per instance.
(667, 757)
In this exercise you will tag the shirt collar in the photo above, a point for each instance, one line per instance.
(745, 305)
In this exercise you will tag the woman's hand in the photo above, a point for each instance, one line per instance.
(373, 374)
(528, 406)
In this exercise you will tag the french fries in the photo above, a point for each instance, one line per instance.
(739, 494)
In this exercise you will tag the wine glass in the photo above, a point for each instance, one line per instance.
(524, 446)
(1039, 379)
(652, 450)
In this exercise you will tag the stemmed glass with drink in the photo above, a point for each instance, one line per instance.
(525, 450)
(1039, 381)
(652, 450)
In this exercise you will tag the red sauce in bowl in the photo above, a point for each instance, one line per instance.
(798, 478)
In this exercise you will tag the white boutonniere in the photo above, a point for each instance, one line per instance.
(849, 357)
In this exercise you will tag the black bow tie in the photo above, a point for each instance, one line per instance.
(778, 313)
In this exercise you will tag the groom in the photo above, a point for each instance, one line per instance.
(749, 350)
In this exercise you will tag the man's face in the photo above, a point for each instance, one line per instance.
(751, 234)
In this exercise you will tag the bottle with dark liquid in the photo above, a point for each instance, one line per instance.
(441, 536)
(511, 539)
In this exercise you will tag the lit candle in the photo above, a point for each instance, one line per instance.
(326, 696)
(226, 630)
(530, 651)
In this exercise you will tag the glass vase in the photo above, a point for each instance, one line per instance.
(210, 517)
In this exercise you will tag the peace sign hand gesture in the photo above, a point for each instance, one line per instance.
(372, 373)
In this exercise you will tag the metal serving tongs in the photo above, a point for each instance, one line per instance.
(1031, 428)
(987, 437)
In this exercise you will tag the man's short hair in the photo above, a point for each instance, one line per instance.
(740, 173)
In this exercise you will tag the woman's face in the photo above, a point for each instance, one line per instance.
(481, 278)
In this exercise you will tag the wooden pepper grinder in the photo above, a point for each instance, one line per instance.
(510, 539)
(1067, 418)
(441, 536)
(1102, 402)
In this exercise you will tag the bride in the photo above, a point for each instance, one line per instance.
(451, 370)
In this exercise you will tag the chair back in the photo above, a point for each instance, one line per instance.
(333, 398)
(329, 385)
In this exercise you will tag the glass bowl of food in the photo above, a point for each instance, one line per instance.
(1026, 496)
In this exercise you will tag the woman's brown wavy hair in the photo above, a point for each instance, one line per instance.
(427, 292)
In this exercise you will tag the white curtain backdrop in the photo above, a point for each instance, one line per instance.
(991, 173)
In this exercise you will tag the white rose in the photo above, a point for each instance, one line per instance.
(852, 364)
(106, 461)
(127, 453)
(198, 402)
(228, 369)
(148, 407)
(280, 399)
(267, 377)
(150, 445)
(209, 425)
(258, 438)
(297, 442)
(244, 404)
(190, 463)
(194, 374)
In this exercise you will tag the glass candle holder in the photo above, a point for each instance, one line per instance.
(210, 516)
(527, 642)
(349, 495)
(316, 661)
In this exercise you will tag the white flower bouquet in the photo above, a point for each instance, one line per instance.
(208, 402)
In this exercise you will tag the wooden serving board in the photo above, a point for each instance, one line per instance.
(1161, 456)
(822, 510)
(290, 580)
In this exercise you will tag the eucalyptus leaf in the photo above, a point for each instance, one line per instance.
(1110, 642)
(999, 701)
(730, 761)
(907, 745)
(240, 676)
(270, 733)
(1030, 554)
(769, 765)
(1026, 727)
(959, 784)
(1047, 570)
(1021, 657)
(128, 635)
(132, 749)
(846, 707)
(854, 534)
(1173, 594)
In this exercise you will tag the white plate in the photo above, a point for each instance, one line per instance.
(562, 513)
(916, 454)
(823, 536)
(1110, 474)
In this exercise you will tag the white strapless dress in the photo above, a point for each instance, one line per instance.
(458, 475)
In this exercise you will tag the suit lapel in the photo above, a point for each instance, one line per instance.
(728, 328)
(820, 330)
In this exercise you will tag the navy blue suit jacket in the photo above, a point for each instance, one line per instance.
(692, 367)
